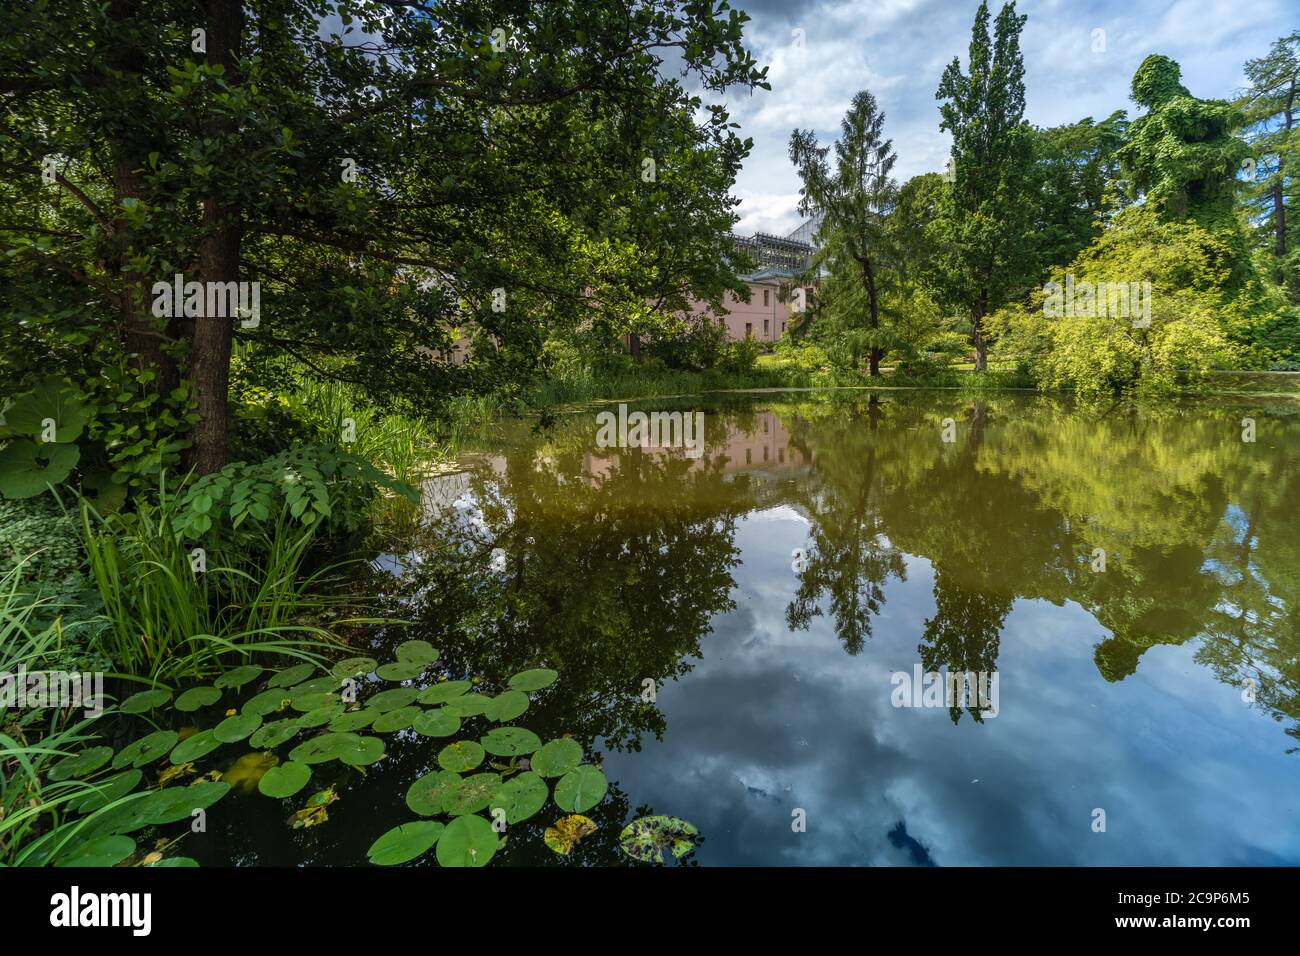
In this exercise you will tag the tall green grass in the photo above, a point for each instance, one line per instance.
(171, 611)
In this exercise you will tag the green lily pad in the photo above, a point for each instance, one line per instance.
(366, 751)
(292, 675)
(145, 701)
(317, 685)
(402, 670)
(521, 797)
(99, 852)
(506, 706)
(580, 789)
(237, 677)
(27, 469)
(417, 652)
(175, 803)
(284, 780)
(557, 757)
(175, 861)
(354, 667)
(81, 764)
(468, 841)
(436, 723)
(427, 795)
(472, 793)
(326, 747)
(107, 791)
(392, 699)
(264, 703)
(192, 748)
(236, 728)
(441, 693)
(197, 697)
(468, 705)
(354, 719)
(510, 741)
(534, 679)
(404, 843)
(645, 839)
(320, 716)
(146, 750)
(461, 756)
(396, 719)
(271, 735)
(313, 701)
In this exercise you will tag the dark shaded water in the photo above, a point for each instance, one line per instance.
(1132, 577)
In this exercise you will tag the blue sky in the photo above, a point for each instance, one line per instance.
(898, 50)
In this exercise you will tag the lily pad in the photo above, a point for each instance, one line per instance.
(99, 852)
(317, 685)
(461, 756)
(396, 719)
(580, 789)
(192, 748)
(107, 791)
(392, 699)
(534, 679)
(354, 719)
(177, 803)
(468, 841)
(404, 843)
(197, 697)
(401, 670)
(364, 752)
(521, 797)
(284, 780)
(271, 735)
(264, 703)
(557, 757)
(566, 833)
(145, 701)
(417, 652)
(510, 741)
(238, 677)
(441, 693)
(506, 706)
(320, 716)
(326, 747)
(472, 793)
(313, 701)
(436, 723)
(468, 705)
(646, 839)
(292, 675)
(81, 764)
(146, 750)
(236, 728)
(354, 667)
(427, 794)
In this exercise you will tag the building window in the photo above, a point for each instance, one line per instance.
(765, 294)
(765, 324)
(783, 328)
(749, 329)
(749, 456)
(780, 455)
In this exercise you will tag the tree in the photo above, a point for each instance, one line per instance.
(489, 169)
(984, 223)
(1270, 104)
(854, 199)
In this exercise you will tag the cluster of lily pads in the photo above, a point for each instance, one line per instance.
(481, 787)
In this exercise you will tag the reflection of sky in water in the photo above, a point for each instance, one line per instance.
(772, 720)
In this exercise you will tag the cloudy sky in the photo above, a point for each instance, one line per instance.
(898, 50)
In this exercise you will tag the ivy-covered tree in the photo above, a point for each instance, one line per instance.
(984, 225)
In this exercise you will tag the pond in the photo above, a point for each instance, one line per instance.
(748, 631)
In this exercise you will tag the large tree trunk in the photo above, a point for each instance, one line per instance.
(869, 277)
(210, 343)
(977, 336)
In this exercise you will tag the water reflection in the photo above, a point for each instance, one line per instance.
(1133, 576)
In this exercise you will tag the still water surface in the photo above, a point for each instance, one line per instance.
(1131, 577)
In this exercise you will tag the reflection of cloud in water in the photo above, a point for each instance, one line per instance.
(770, 721)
